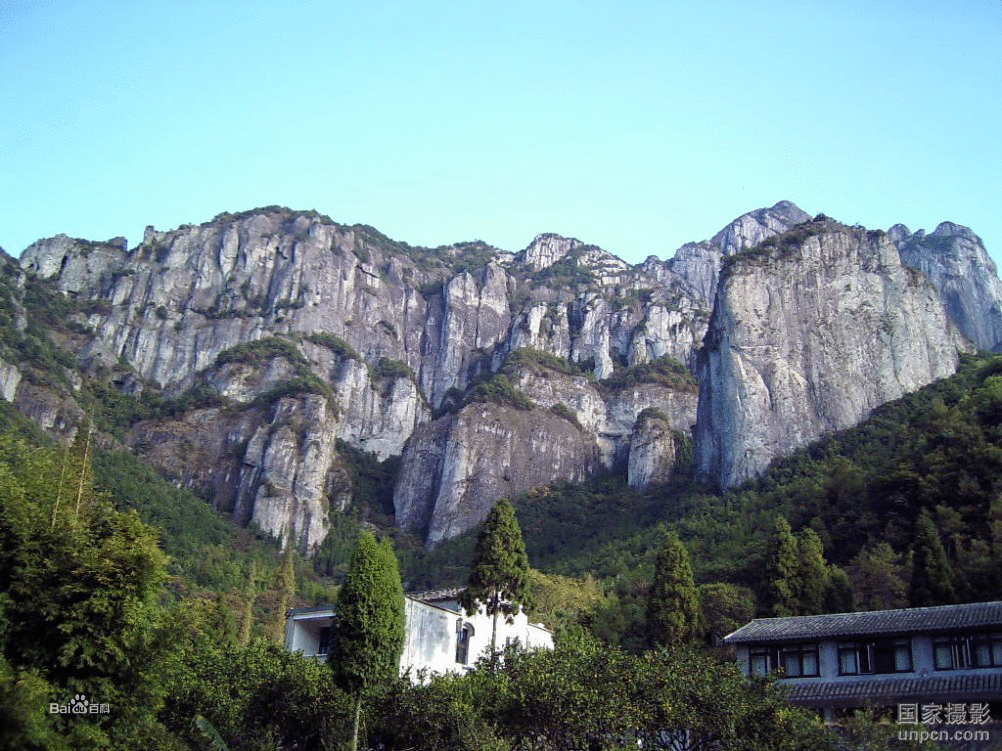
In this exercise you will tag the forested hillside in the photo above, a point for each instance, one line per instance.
(862, 491)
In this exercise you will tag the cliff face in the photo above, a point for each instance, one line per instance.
(956, 263)
(281, 333)
(483, 453)
(807, 337)
(376, 335)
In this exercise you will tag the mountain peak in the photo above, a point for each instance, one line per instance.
(748, 230)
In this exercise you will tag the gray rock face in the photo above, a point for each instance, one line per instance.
(479, 455)
(698, 264)
(393, 332)
(653, 451)
(954, 259)
(545, 250)
(10, 378)
(455, 468)
(608, 416)
(274, 466)
(809, 338)
(750, 229)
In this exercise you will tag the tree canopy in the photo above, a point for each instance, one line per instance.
(674, 616)
(499, 575)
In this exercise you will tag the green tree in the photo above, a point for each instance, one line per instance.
(932, 578)
(499, 576)
(250, 595)
(255, 697)
(782, 565)
(811, 579)
(368, 634)
(673, 613)
(286, 589)
(879, 578)
(838, 592)
(79, 594)
(726, 607)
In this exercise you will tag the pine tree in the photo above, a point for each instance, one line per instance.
(368, 635)
(499, 576)
(878, 578)
(812, 574)
(781, 571)
(673, 611)
(838, 592)
(286, 589)
(250, 594)
(932, 578)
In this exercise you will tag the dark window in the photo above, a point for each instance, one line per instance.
(986, 650)
(799, 660)
(463, 634)
(762, 660)
(324, 645)
(875, 657)
(793, 660)
(967, 651)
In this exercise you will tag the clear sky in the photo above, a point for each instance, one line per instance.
(634, 125)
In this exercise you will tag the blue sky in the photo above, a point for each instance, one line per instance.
(633, 125)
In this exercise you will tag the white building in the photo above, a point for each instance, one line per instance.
(439, 636)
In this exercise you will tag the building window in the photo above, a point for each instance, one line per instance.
(986, 650)
(762, 660)
(875, 657)
(969, 651)
(799, 660)
(794, 660)
(324, 642)
(463, 633)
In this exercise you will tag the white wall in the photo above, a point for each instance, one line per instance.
(430, 636)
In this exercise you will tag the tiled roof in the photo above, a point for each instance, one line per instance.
(906, 621)
(431, 597)
(436, 595)
(981, 687)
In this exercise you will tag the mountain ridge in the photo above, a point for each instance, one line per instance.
(396, 335)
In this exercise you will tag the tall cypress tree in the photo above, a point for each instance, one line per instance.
(673, 611)
(812, 573)
(499, 576)
(286, 588)
(782, 565)
(368, 635)
(932, 578)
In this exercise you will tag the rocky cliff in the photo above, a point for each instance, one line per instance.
(269, 336)
(809, 333)
(360, 338)
(955, 261)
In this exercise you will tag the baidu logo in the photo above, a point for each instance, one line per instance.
(79, 705)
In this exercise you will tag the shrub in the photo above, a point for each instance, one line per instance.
(534, 359)
(499, 390)
(260, 350)
(665, 370)
(335, 344)
(387, 368)
(562, 410)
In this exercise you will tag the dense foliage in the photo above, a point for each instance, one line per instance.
(499, 574)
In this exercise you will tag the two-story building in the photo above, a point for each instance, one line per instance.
(439, 636)
(946, 654)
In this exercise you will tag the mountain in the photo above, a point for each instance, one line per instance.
(810, 332)
(238, 355)
(954, 259)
